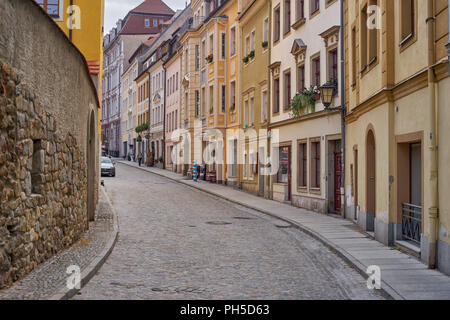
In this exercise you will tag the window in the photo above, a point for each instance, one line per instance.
(353, 56)
(287, 89)
(211, 44)
(301, 78)
(223, 98)
(287, 16)
(299, 9)
(315, 6)
(373, 39)
(276, 95)
(52, 7)
(147, 23)
(155, 22)
(276, 25)
(316, 72)
(246, 113)
(233, 41)
(211, 99)
(252, 111)
(223, 46)
(252, 41)
(332, 65)
(407, 19)
(203, 102)
(176, 82)
(197, 103)
(233, 96)
(266, 30)
(283, 172)
(197, 57)
(203, 53)
(315, 164)
(302, 165)
(264, 106)
(247, 45)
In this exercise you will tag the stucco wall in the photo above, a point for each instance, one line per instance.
(47, 101)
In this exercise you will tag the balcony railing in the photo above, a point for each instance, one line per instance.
(411, 222)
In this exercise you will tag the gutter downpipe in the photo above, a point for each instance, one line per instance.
(164, 118)
(70, 20)
(148, 120)
(433, 209)
(448, 44)
(343, 109)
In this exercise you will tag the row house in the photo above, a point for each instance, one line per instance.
(254, 28)
(172, 66)
(119, 45)
(308, 152)
(151, 80)
(397, 90)
(209, 102)
(132, 95)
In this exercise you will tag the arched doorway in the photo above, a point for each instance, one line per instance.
(90, 153)
(370, 181)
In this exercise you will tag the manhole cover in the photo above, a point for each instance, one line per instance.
(243, 218)
(218, 223)
(284, 226)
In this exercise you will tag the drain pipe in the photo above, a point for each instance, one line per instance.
(433, 210)
(343, 110)
(70, 20)
(448, 44)
(164, 117)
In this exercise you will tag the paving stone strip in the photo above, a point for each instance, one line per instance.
(49, 279)
(402, 276)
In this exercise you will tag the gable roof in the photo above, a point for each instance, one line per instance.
(153, 6)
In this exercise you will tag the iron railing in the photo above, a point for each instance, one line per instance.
(411, 222)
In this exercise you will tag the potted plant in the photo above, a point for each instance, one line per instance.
(160, 159)
(251, 54)
(209, 58)
(211, 110)
(303, 103)
(232, 107)
(265, 44)
(245, 59)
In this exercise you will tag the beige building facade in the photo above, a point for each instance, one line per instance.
(397, 91)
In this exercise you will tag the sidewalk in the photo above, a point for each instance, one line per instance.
(403, 277)
(48, 281)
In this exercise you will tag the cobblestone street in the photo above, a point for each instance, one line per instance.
(201, 247)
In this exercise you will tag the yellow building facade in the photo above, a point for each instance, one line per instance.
(397, 91)
(82, 21)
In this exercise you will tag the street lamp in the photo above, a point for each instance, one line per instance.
(327, 93)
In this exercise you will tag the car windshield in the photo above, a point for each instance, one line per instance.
(106, 160)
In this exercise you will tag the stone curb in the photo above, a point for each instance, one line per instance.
(386, 290)
(64, 293)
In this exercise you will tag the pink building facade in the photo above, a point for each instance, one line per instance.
(172, 108)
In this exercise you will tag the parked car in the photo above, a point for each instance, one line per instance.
(107, 167)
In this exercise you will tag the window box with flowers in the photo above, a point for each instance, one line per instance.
(304, 103)
(245, 59)
(251, 55)
(265, 44)
(209, 58)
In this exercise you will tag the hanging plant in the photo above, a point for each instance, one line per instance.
(303, 103)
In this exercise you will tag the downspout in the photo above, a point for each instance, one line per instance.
(148, 119)
(269, 103)
(70, 20)
(433, 209)
(343, 110)
(164, 119)
(448, 44)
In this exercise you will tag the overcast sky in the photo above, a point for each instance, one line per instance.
(117, 9)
